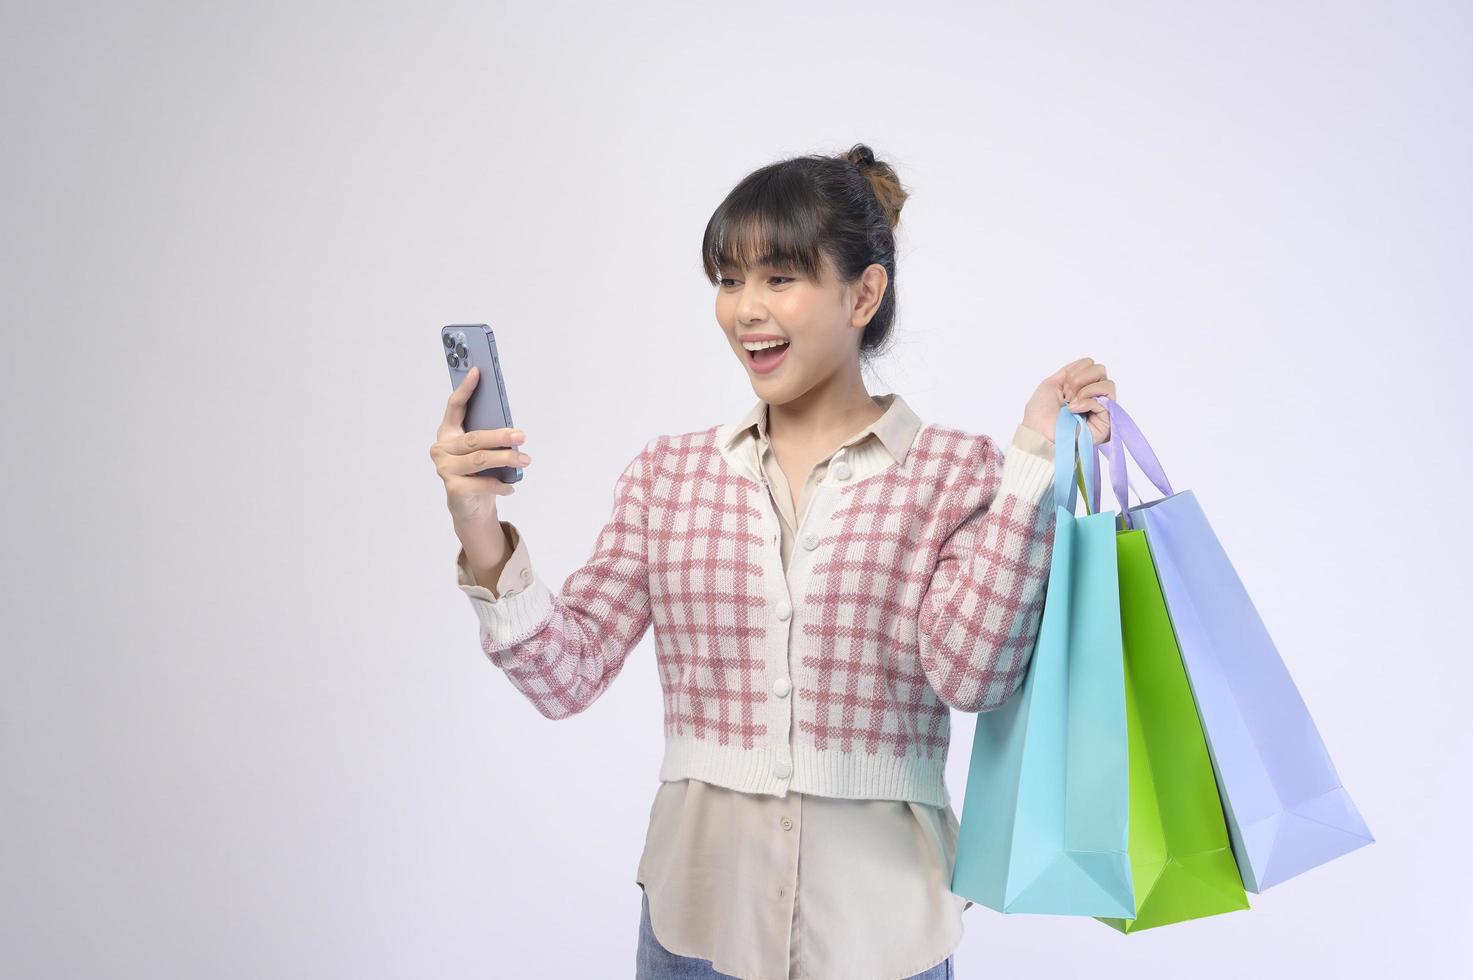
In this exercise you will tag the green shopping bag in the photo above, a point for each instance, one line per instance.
(1181, 861)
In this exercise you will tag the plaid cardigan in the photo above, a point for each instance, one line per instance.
(924, 593)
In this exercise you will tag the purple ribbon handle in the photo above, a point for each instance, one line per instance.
(1125, 434)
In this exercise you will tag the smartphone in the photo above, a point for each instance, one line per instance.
(468, 345)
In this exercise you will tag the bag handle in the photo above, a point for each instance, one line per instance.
(1126, 435)
(1080, 460)
(1096, 482)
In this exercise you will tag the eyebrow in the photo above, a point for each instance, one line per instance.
(768, 262)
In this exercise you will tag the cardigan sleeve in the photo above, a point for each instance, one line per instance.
(980, 613)
(563, 650)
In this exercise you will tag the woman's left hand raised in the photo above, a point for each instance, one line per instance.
(1076, 384)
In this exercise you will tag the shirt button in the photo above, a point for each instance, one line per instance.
(782, 769)
(787, 824)
(784, 610)
(810, 540)
(781, 686)
(841, 470)
(526, 575)
(511, 592)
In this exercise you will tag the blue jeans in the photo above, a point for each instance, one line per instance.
(655, 962)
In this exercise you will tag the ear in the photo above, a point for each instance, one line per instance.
(868, 292)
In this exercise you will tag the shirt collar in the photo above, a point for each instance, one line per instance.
(896, 428)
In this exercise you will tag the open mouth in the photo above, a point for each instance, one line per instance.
(768, 358)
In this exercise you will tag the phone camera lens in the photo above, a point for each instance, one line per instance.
(449, 341)
(452, 359)
(460, 350)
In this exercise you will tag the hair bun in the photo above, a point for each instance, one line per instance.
(882, 180)
(861, 156)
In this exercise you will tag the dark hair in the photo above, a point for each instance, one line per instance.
(790, 213)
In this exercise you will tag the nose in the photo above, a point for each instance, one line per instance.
(749, 308)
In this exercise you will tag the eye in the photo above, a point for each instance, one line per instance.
(723, 282)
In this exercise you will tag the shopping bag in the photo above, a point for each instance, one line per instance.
(1180, 856)
(1286, 809)
(1045, 814)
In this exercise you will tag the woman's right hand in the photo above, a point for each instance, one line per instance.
(459, 454)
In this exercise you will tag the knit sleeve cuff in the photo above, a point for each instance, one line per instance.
(1028, 468)
(1030, 440)
(523, 606)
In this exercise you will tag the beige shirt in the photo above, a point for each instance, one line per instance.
(801, 886)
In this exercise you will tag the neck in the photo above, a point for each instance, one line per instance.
(824, 415)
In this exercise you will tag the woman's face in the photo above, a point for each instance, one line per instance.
(821, 321)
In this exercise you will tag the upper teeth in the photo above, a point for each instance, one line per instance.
(760, 344)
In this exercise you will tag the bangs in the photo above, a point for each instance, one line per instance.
(766, 221)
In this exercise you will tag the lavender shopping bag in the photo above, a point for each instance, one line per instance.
(1287, 811)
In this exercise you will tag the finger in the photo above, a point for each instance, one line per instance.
(1105, 387)
(464, 464)
(1083, 403)
(459, 398)
(479, 484)
(469, 442)
(1096, 418)
(1078, 379)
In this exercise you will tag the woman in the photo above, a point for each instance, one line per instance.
(827, 575)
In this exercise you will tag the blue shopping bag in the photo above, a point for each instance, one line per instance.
(1044, 823)
(1287, 811)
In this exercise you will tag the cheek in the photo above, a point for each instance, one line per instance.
(792, 309)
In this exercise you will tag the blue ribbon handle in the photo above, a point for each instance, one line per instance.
(1080, 443)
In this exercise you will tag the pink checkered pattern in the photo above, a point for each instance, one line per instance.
(925, 593)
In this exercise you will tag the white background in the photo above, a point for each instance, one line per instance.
(246, 729)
